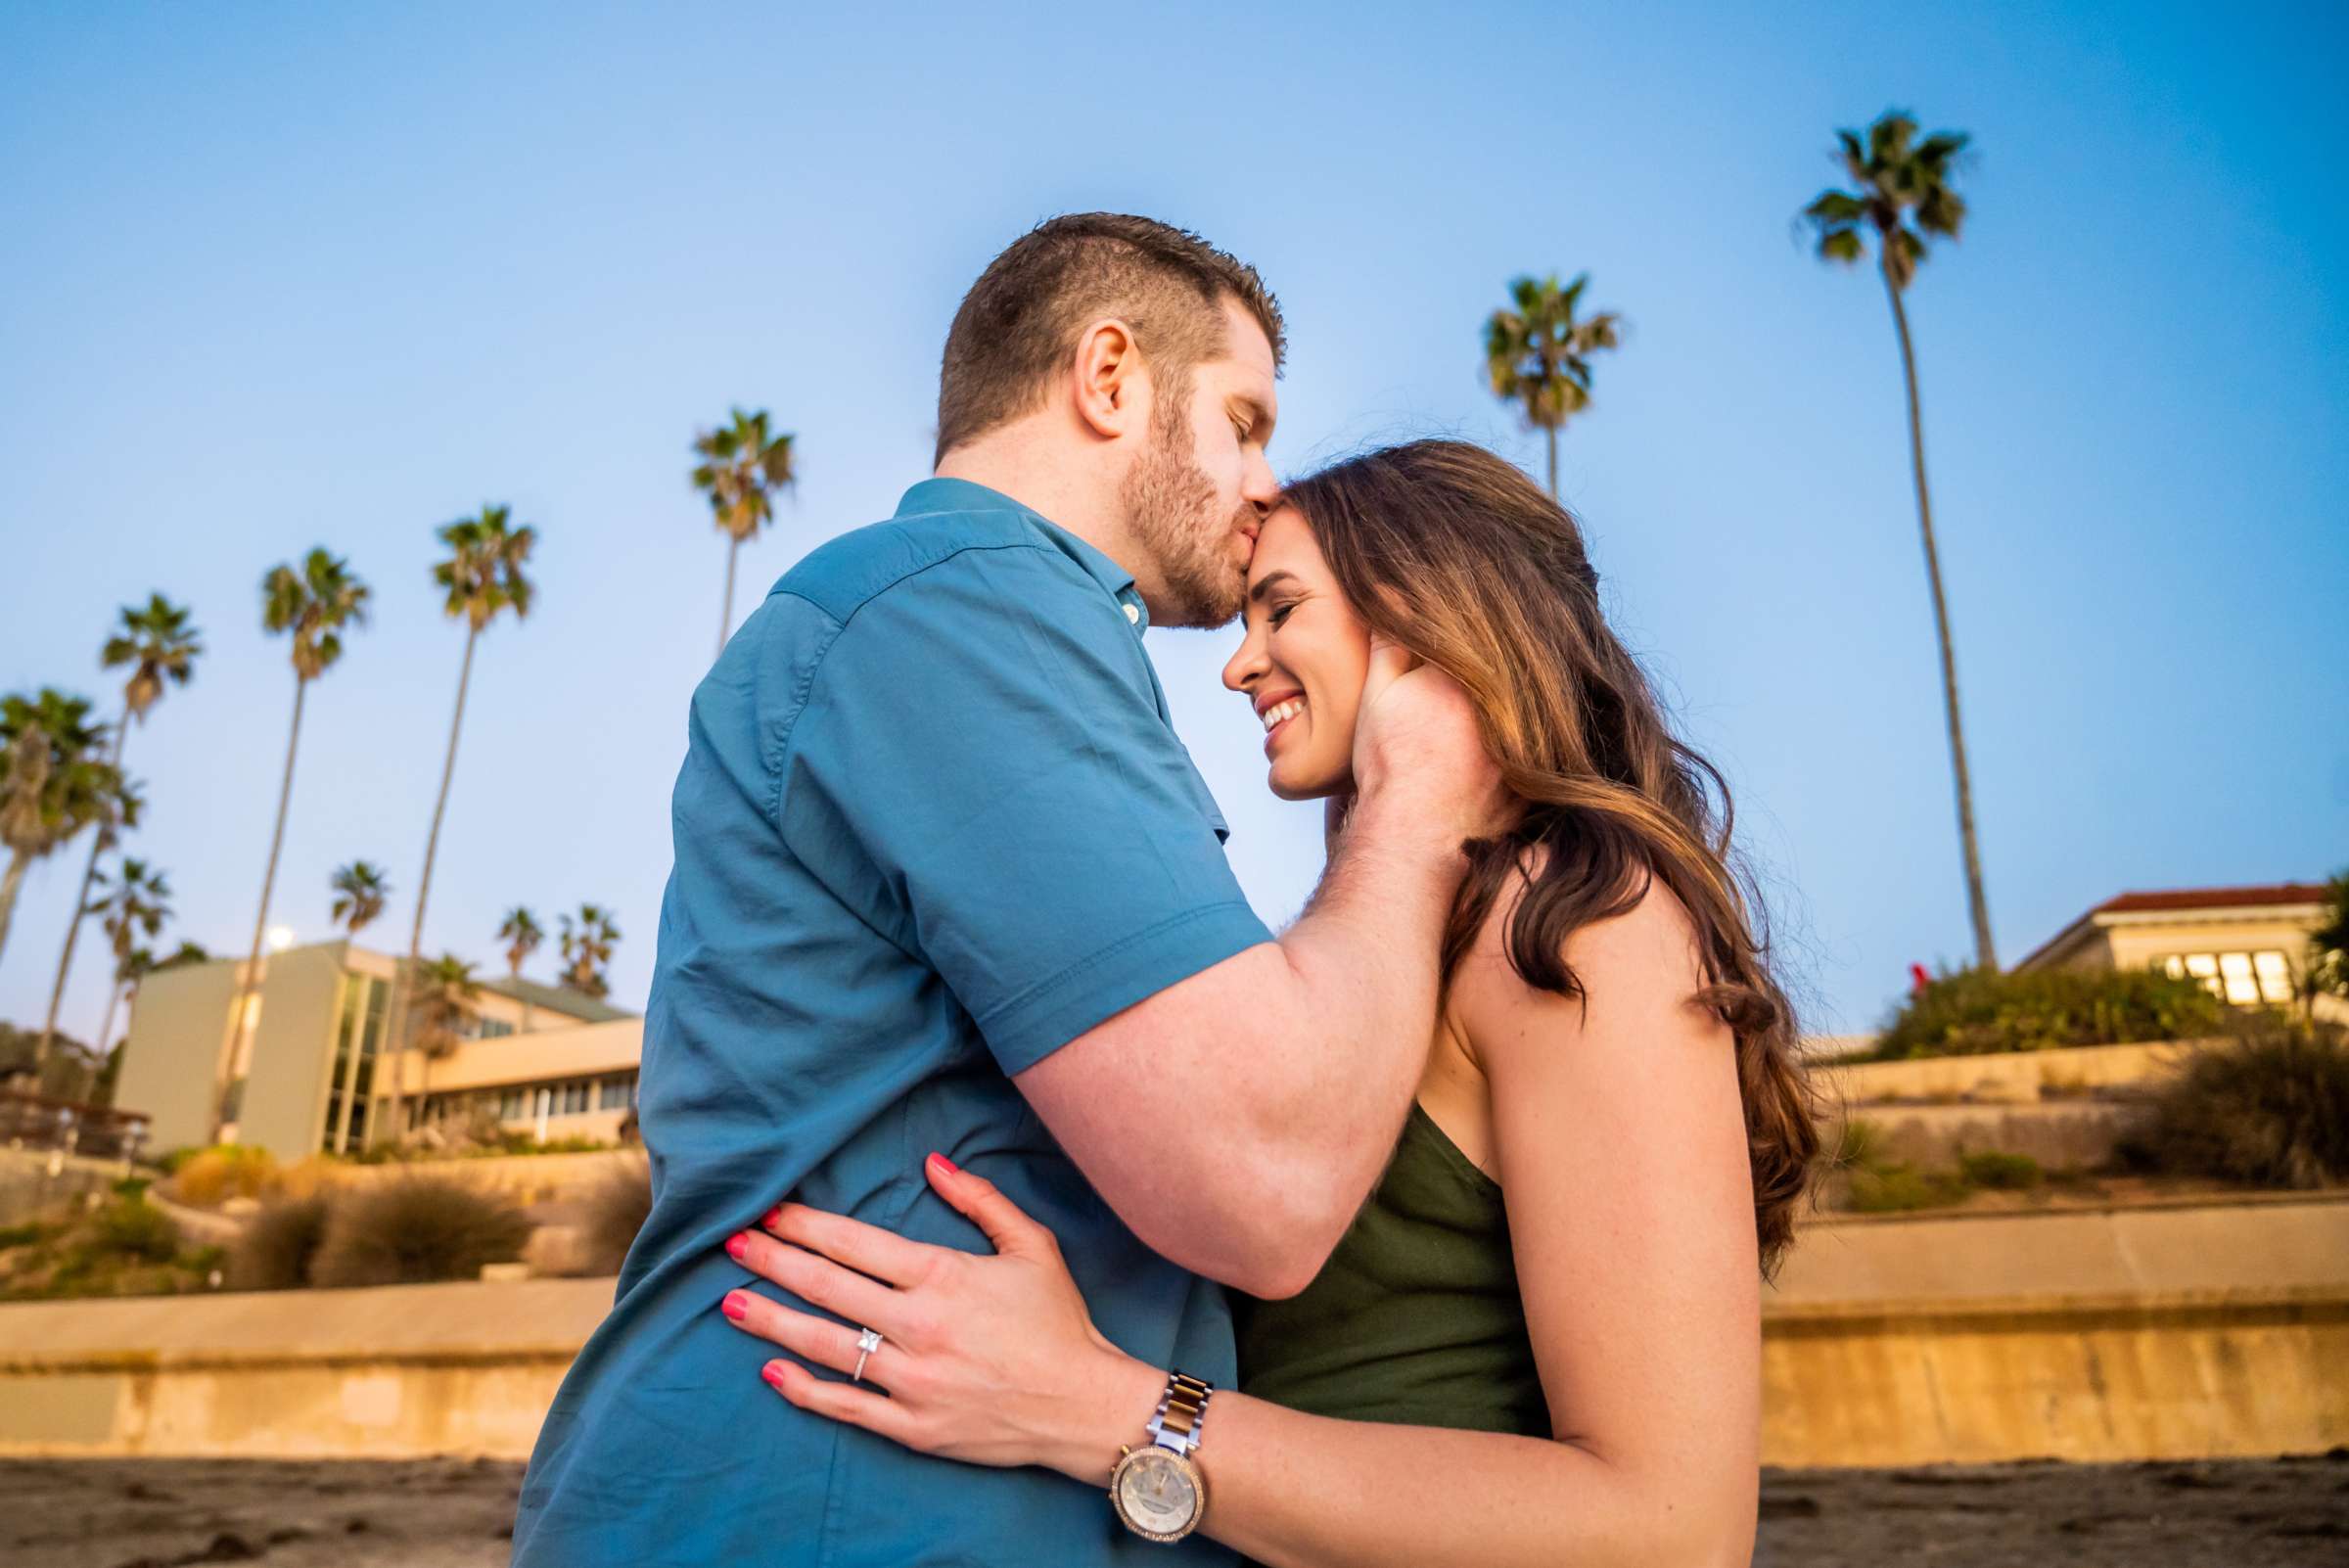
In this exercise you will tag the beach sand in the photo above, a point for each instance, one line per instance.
(439, 1513)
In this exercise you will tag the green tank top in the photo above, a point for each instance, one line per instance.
(1416, 1317)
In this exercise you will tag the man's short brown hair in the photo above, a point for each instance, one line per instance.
(1020, 321)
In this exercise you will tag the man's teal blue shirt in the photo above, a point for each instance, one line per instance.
(933, 823)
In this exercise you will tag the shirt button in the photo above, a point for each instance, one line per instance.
(1134, 613)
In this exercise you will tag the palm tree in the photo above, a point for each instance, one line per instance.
(54, 782)
(522, 936)
(135, 904)
(587, 946)
(1538, 355)
(741, 469)
(311, 604)
(448, 997)
(1897, 177)
(359, 891)
(481, 577)
(160, 646)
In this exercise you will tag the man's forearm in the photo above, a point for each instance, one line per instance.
(1361, 1010)
(1237, 1121)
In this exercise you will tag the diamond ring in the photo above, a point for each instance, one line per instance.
(867, 1342)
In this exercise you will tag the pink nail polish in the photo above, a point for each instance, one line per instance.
(774, 1217)
(733, 1306)
(948, 1166)
(736, 1245)
(773, 1374)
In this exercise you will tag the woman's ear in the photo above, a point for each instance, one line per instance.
(1112, 385)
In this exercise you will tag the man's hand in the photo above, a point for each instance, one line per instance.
(1418, 755)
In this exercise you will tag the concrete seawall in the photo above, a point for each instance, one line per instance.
(2173, 1332)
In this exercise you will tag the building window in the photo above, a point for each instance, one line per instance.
(575, 1098)
(2243, 979)
(495, 1028)
(512, 1105)
(617, 1093)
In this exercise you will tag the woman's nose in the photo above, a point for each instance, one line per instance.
(1247, 663)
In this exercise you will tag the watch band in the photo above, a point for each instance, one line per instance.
(1181, 1417)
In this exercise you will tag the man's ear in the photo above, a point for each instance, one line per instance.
(1111, 384)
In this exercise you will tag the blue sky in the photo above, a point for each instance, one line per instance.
(277, 276)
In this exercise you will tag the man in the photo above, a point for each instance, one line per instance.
(945, 879)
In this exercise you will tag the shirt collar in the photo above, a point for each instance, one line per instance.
(965, 495)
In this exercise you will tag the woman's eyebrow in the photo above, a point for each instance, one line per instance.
(1268, 582)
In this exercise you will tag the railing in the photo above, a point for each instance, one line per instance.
(99, 1132)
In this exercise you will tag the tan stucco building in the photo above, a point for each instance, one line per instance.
(2248, 945)
(311, 1070)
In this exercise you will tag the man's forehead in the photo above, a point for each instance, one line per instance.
(1247, 351)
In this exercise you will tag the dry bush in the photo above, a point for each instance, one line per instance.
(415, 1230)
(616, 1211)
(312, 1175)
(230, 1171)
(277, 1247)
(2270, 1107)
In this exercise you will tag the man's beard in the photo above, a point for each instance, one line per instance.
(1169, 507)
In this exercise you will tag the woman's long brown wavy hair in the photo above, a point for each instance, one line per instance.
(1454, 554)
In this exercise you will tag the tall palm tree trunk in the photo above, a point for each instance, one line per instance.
(403, 984)
(81, 911)
(1985, 956)
(11, 880)
(1551, 431)
(726, 622)
(251, 977)
(113, 999)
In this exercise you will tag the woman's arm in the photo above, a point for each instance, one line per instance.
(1622, 1148)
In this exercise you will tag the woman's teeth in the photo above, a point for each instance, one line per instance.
(1284, 709)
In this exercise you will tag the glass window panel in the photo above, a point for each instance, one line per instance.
(2173, 966)
(2275, 973)
(2235, 968)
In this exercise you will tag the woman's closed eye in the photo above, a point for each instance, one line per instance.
(1280, 613)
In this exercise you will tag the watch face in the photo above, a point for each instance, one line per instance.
(1156, 1492)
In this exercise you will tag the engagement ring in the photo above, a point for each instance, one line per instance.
(867, 1342)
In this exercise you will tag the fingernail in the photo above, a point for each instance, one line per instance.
(774, 1217)
(946, 1164)
(733, 1306)
(736, 1245)
(773, 1374)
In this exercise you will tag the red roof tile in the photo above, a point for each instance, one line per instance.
(2215, 897)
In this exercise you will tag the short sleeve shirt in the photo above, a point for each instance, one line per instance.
(933, 823)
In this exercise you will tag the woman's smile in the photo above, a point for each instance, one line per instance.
(1277, 710)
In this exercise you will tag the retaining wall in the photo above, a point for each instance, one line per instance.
(2179, 1332)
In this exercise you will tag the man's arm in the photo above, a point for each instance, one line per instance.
(1236, 1120)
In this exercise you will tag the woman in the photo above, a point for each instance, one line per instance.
(1540, 1342)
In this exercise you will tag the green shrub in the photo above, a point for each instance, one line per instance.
(2269, 1107)
(275, 1250)
(134, 1229)
(616, 1211)
(1976, 1012)
(24, 1235)
(1894, 1188)
(2000, 1173)
(414, 1230)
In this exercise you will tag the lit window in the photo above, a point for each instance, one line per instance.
(2235, 971)
(2274, 971)
(2244, 979)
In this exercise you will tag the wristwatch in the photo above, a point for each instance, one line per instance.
(1157, 1488)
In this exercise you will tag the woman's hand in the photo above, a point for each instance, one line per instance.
(988, 1360)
